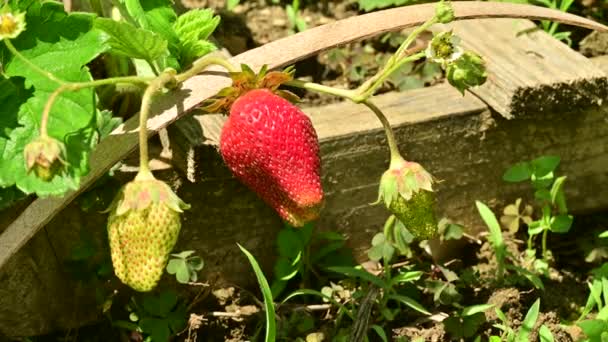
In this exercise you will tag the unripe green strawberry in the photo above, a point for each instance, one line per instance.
(406, 189)
(143, 227)
(45, 156)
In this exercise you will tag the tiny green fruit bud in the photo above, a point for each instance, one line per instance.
(467, 71)
(11, 25)
(444, 48)
(406, 189)
(143, 227)
(444, 12)
(45, 156)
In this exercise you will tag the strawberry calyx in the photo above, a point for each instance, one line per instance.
(142, 193)
(406, 189)
(246, 80)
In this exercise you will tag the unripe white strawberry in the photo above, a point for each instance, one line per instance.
(143, 227)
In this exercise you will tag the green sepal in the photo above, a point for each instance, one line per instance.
(140, 194)
(467, 71)
(245, 80)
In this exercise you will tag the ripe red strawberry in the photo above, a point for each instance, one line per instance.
(272, 147)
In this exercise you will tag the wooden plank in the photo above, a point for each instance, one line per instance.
(455, 137)
(601, 62)
(283, 52)
(529, 71)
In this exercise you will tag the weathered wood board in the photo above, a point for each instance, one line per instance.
(529, 71)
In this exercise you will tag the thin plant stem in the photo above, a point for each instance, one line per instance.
(346, 93)
(201, 64)
(33, 66)
(380, 80)
(81, 85)
(368, 87)
(388, 130)
(156, 85)
(544, 243)
(153, 67)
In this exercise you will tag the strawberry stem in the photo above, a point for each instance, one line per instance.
(156, 85)
(202, 63)
(346, 93)
(81, 85)
(29, 63)
(388, 130)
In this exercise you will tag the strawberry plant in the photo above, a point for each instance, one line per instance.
(57, 109)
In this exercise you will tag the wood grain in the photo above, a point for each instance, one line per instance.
(529, 71)
(170, 107)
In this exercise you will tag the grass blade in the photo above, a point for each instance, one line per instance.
(271, 325)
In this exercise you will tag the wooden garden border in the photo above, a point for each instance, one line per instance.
(286, 51)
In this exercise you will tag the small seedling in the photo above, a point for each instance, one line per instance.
(465, 323)
(296, 22)
(521, 335)
(159, 317)
(549, 195)
(185, 266)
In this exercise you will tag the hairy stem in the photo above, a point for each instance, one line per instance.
(33, 66)
(368, 88)
(156, 85)
(202, 63)
(388, 130)
(380, 80)
(81, 85)
(544, 243)
(345, 93)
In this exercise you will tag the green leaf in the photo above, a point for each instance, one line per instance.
(472, 323)
(557, 195)
(382, 249)
(106, 123)
(529, 321)
(409, 302)
(453, 232)
(183, 274)
(177, 319)
(196, 263)
(160, 306)
(378, 329)
(284, 270)
(157, 16)
(61, 44)
(544, 165)
(10, 195)
(471, 310)
(267, 293)
(501, 315)
(493, 226)
(517, 173)
(174, 265)
(130, 41)
(368, 5)
(533, 278)
(13, 94)
(561, 223)
(289, 243)
(157, 328)
(193, 28)
(183, 254)
(355, 272)
(406, 277)
(593, 328)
